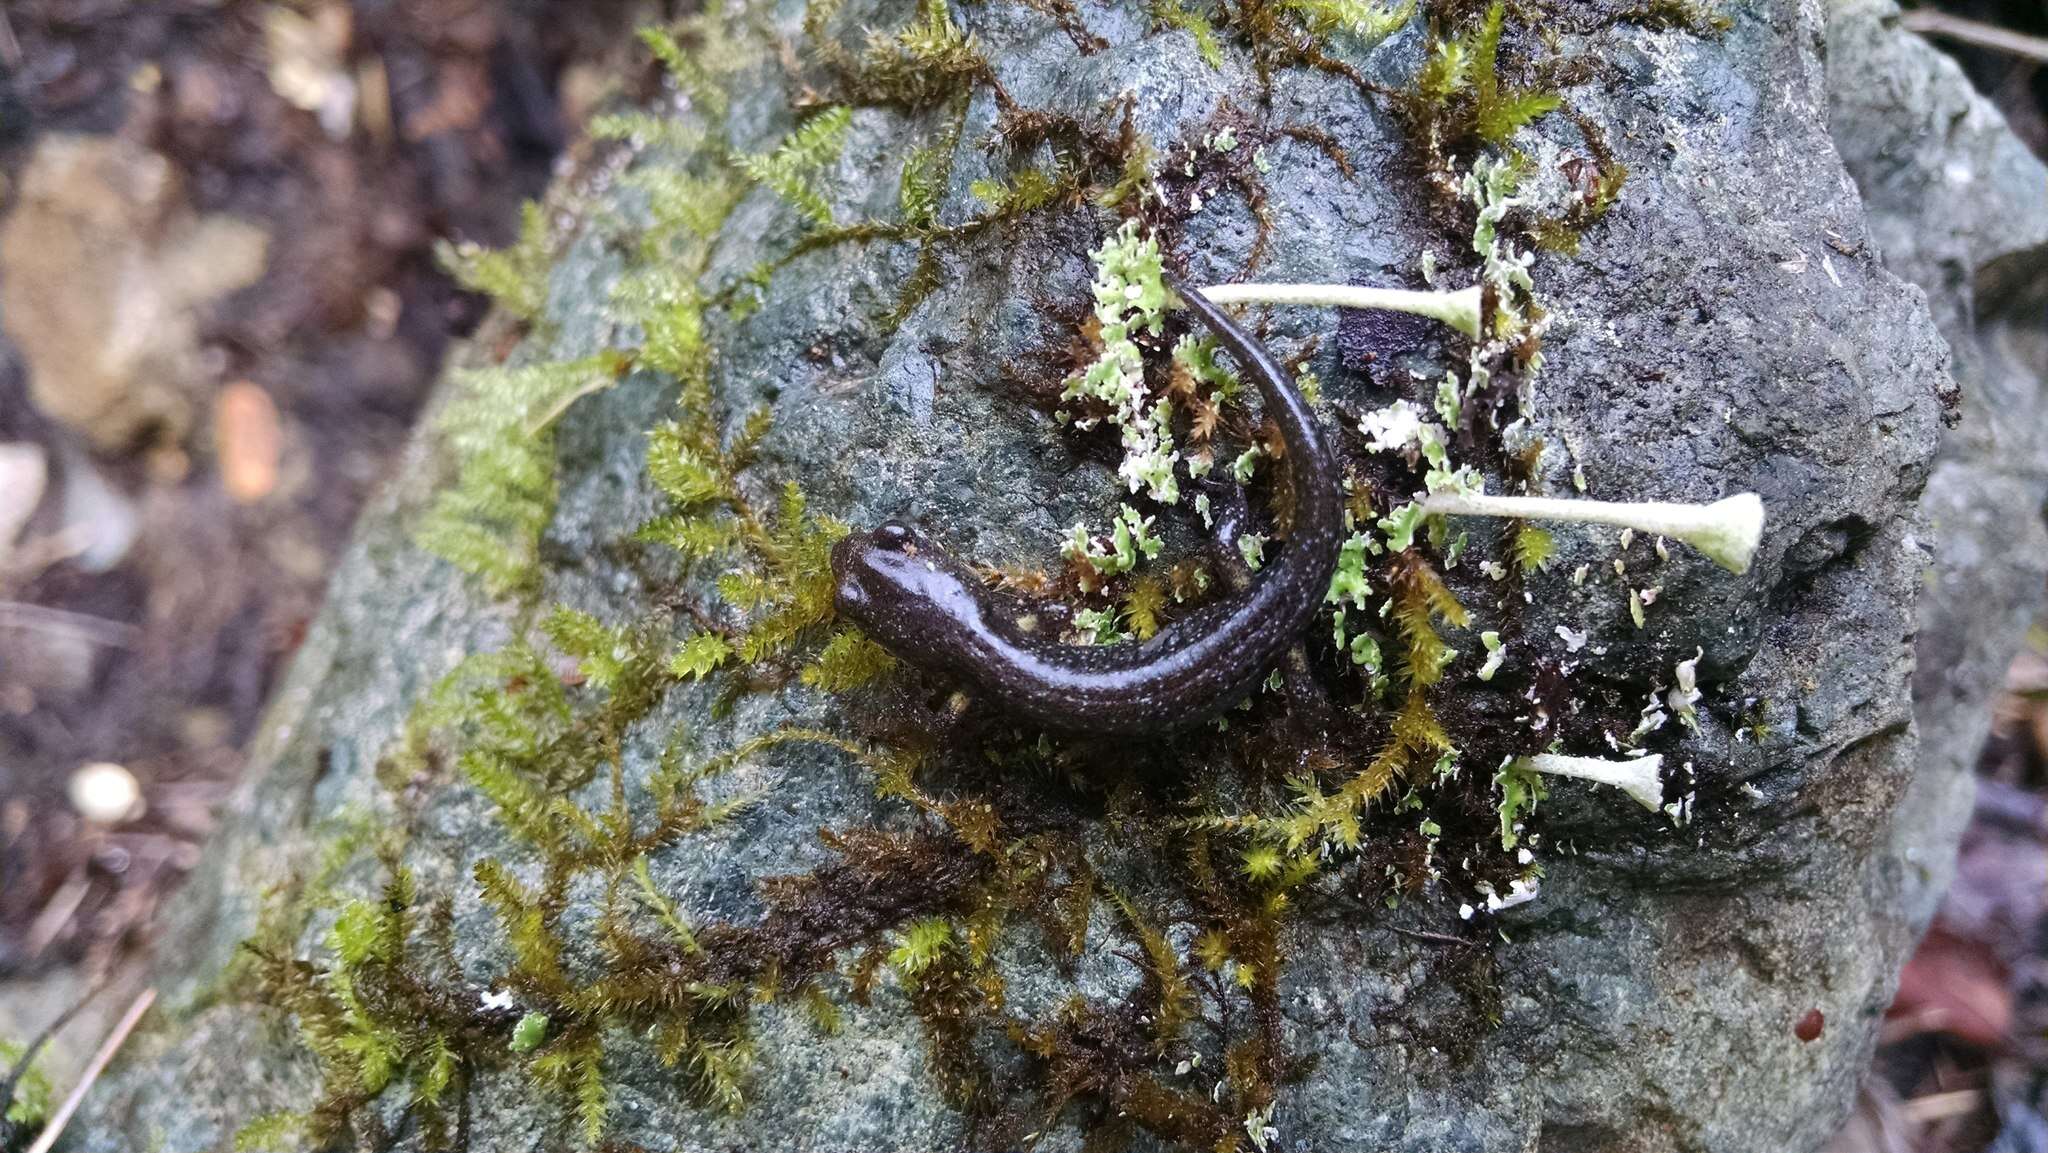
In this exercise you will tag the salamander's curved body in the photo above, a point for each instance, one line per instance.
(908, 596)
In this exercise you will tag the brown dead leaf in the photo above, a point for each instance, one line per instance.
(250, 441)
(1956, 987)
(1206, 417)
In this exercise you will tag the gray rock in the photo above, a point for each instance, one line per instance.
(1728, 327)
(1959, 207)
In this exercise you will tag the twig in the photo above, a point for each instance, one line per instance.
(1938, 1106)
(1977, 34)
(93, 1069)
(1437, 938)
(29, 557)
(37, 618)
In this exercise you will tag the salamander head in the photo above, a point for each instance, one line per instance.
(901, 589)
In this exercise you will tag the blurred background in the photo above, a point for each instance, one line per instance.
(220, 312)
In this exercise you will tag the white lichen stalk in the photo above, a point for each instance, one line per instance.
(1461, 309)
(1727, 531)
(1638, 778)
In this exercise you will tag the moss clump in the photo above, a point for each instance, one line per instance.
(1460, 102)
(24, 1096)
(515, 278)
(497, 429)
(1699, 17)
(1177, 15)
(927, 62)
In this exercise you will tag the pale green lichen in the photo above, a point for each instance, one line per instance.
(1401, 525)
(1130, 541)
(1727, 531)
(1392, 428)
(1349, 585)
(1496, 653)
(1197, 356)
(1639, 778)
(1517, 320)
(528, 1034)
(1684, 697)
(1461, 310)
(1099, 627)
(1521, 790)
(1246, 464)
(1130, 298)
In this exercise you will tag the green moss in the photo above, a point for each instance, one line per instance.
(927, 62)
(793, 169)
(489, 521)
(1500, 110)
(848, 662)
(1365, 22)
(1460, 102)
(515, 278)
(24, 1094)
(1599, 184)
(379, 1014)
(1177, 15)
(1700, 17)
(272, 1132)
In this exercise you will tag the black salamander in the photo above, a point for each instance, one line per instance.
(911, 598)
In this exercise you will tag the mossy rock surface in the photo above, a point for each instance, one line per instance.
(1728, 326)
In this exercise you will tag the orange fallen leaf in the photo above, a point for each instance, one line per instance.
(250, 441)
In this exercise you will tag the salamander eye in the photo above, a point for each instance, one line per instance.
(895, 535)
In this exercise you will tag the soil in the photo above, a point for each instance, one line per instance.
(162, 663)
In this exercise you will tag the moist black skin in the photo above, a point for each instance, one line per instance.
(923, 606)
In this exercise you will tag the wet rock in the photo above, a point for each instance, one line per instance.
(104, 273)
(1959, 207)
(1729, 326)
